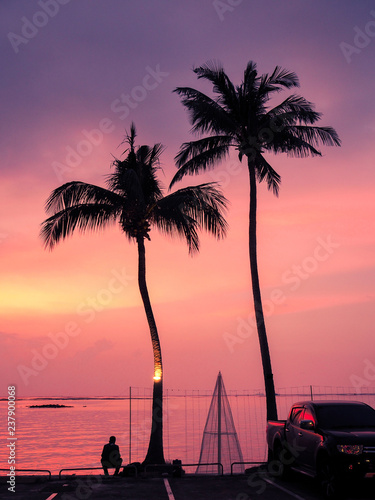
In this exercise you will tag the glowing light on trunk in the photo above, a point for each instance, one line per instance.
(157, 374)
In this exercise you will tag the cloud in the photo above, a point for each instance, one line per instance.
(92, 351)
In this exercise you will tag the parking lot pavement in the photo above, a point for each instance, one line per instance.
(189, 487)
(186, 488)
(231, 488)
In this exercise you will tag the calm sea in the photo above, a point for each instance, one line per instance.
(72, 437)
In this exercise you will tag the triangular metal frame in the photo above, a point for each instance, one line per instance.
(219, 423)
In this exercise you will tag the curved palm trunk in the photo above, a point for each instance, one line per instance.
(261, 327)
(155, 454)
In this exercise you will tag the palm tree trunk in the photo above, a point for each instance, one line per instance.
(155, 454)
(261, 327)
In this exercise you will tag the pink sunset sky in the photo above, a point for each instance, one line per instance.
(71, 320)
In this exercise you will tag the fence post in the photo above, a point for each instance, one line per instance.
(130, 425)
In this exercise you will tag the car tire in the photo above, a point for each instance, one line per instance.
(280, 466)
(330, 482)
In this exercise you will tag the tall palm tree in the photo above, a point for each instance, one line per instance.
(240, 117)
(134, 199)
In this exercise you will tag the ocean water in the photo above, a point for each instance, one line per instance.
(57, 438)
(73, 437)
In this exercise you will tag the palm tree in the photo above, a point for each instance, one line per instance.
(240, 117)
(134, 199)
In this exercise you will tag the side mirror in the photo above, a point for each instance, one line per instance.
(307, 425)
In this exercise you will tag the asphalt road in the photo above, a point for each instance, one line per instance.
(189, 487)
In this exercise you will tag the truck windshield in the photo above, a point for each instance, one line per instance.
(353, 416)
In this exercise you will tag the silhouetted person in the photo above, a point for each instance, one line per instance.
(111, 456)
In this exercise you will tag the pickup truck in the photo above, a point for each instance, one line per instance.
(332, 441)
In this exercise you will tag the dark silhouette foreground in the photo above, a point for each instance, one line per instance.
(111, 457)
(240, 117)
(134, 199)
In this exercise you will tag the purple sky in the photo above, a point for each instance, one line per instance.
(79, 71)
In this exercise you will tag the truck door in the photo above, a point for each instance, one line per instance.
(308, 441)
(292, 429)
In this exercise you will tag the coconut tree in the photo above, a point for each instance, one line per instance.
(134, 198)
(241, 117)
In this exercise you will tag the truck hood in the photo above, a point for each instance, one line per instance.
(359, 436)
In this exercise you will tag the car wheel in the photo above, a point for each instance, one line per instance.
(330, 482)
(281, 463)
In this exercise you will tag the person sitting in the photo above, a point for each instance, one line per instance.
(111, 456)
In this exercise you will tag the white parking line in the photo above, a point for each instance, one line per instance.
(294, 495)
(52, 496)
(168, 488)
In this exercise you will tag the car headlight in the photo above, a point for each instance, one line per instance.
(350, 449)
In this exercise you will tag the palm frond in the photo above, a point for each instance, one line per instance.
(130, 138)
(76, 193)
(249, 85)
(125, 183)
(205, 114)
(302, 140)
(148, 163)
(191, 149)
(192, 208)
(248, 120)
(264, 171)
(293, 145)
(222, 86)
(135, 177)
(326, 136)
(134, 198)
(81, 217)
(150, 156)
(283, 77)
(293, 109)
(155, 153)
(174, 222)
(210, 71)
(279, 79)
(200, 155)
